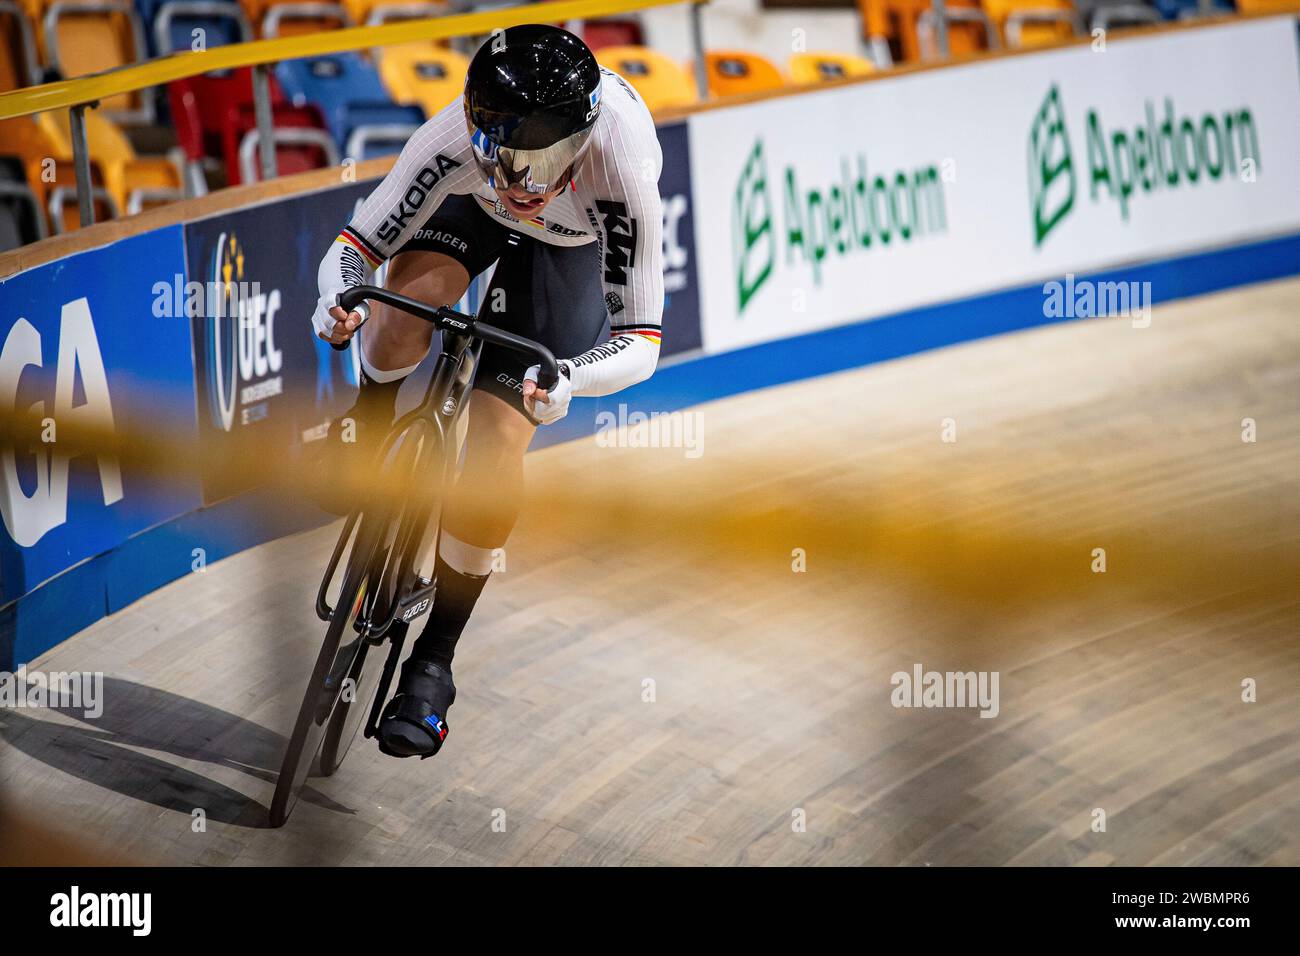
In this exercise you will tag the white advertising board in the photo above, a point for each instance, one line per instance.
(839, 205)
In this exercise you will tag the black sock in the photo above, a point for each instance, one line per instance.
(452, 604)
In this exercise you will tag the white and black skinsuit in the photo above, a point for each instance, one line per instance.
(612, 201)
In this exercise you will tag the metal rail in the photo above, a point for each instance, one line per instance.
(76, 95)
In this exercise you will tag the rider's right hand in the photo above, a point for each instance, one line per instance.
(333, 324)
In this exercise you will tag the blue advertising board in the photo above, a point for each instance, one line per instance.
(202, 333)
(261, 373)
(681, 285)
(86, 341)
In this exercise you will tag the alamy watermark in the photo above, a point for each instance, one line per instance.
(214, 300)
(1086, 299)
(626, 429)
(61, 690)
(133, 911)
(922, 688)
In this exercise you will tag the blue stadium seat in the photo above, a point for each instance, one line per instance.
(170, 24)
(359, 113)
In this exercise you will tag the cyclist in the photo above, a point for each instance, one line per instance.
(548, 166)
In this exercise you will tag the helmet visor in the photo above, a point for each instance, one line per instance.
(536, 170)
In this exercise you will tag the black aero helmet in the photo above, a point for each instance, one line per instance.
(532, 95)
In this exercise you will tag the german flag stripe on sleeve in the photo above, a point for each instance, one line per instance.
(652, 332)
(353, 238)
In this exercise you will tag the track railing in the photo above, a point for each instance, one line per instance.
(85, 92)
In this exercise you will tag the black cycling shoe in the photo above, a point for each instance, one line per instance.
(414, 724)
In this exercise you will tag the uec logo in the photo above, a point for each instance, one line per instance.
(240, 337)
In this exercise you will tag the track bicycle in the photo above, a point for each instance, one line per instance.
(387, 547)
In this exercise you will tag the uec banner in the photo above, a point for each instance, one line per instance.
(83, 346)
(260, 370)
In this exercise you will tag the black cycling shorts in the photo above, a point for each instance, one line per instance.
(552, 294)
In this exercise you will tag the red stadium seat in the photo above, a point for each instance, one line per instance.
(612, 32)
(302, 142)
(213, 114)
(199, 105)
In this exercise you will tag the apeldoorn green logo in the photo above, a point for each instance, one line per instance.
(1051, 167)
(1169, 150)
(838, 218)
(753, 241)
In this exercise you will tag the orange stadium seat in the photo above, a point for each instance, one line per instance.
(134, 182)
(420, 74)
(286, 18)
(659, 80)
(896, 28)
(1266, 6)
(88, 36)
(731, 72)
(824, 67)
(1026, 23)
(50, 173)
(18, 63)
(372, 12)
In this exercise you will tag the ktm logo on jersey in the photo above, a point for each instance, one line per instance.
(424, 181)
(620, 240)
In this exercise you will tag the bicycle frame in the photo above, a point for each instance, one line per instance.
(438, 416)
(388, 574)
(406, 585)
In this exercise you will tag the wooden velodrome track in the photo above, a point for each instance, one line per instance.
(1119, 691)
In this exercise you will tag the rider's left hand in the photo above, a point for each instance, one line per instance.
(547, 406)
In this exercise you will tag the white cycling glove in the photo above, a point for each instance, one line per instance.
(321, 319)
(324, 323)
(557, 404)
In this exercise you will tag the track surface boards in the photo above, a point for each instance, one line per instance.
(1119, 692)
